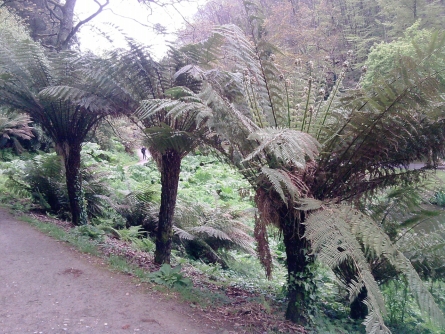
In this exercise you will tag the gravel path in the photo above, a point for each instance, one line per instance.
(47, 287)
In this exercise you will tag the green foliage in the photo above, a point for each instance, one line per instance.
(120, 264)
(207, 180)
(144, 245)
(170, 277)
(7, 154)
(14, 126)
(365, 139)
(438, 198)
(89, 231)
(333, 234)
(43, 177)
(131, 233)
(384, 57)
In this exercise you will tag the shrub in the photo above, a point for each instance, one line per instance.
(170, 277)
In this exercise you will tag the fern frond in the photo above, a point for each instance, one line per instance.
(182, 233)
(281, 183)
(288, 146)
(211, 232)
(333, 243)
(333, 230)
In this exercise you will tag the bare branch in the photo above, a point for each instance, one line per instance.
(185, 20)
(53, 3)
(89, 18)
(46, 35)
(132, 19)
(51, 11)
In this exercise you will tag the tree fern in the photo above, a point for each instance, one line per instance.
(367, 138)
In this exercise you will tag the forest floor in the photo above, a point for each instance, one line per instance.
(48, 287)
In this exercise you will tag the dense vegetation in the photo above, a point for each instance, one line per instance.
(280, 133)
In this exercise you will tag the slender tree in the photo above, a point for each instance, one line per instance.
(174, 119)
(174, 127)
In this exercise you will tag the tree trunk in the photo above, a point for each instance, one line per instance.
(74, 185)
(359, 310)
(66, 24)
(346, 272)
(300, 278)
(170, 169)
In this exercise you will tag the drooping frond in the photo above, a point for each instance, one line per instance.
(84, 99)
(282, 183)
(335, 233)
(211, 232)
(182, 234)
(176, 122)
(333, 243)
(365, 229)
(24, 70)
(15, 124)
(216, 226)
(383, 132)
(425, 250)
(287, 146)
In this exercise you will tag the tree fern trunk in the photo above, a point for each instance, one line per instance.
(346, 272)
(170, 169)
(74, 185)
(300, 278)
(358, 309)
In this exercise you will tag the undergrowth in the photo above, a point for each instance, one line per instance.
(208, 181)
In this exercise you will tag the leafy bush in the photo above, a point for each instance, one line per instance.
(43, 177)
(144, 244)
(89, 231)
(130, 234)
(439, 198)
(170, 277)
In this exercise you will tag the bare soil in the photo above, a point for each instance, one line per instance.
(48, 287)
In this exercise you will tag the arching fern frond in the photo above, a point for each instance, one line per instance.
(211, 232)
(281, 183)
(337, 233)
(289, 147)
(182, 234)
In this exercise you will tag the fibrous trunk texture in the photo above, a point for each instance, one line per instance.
(300, 280)
(74, 185)
(359, 310)
(170, 169)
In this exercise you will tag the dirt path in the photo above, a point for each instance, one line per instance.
(46, 287)
(141, 160)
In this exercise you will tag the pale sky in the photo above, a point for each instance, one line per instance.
(119, 9)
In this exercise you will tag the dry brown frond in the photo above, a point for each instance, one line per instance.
(263, 249)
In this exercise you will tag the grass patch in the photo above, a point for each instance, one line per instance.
(120, 264)
(202, 297)
(81, 243)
